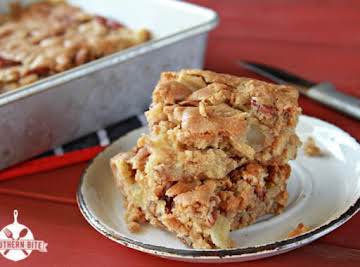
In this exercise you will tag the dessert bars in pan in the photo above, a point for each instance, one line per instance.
(46, 38)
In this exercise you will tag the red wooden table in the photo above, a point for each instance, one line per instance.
(317, 39)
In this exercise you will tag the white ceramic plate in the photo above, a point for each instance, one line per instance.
(324, 193)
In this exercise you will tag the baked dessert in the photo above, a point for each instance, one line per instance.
(215, 159)
(49, 37)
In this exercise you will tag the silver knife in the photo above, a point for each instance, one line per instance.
(324, 92)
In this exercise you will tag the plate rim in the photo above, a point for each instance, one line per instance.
(270, 248)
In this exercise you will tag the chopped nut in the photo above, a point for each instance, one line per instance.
(5, 63)
(263, 108)
(40, 71)
(202, 109)
(191, 81)
(179, 188)
(29, 79)
(112, 24)
(82, 56)
(10, 75)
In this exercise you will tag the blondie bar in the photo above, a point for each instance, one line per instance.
(215, 159)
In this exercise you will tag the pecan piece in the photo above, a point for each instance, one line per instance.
(109, 23)
(40, 71)
(6, 63)
(266, 109)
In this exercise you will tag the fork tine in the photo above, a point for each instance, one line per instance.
(7, 233)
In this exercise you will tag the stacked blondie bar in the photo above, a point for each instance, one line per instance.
(216, 157)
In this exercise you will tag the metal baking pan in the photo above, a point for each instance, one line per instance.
(55, 110)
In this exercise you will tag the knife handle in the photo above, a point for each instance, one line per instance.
(327, 94)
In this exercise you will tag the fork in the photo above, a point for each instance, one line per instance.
(9, 235)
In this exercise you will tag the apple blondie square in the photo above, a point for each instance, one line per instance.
(248, 118)
(215, 159)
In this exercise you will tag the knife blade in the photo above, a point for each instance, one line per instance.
(324, 92)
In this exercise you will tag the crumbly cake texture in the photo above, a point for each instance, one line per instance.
(215, 158)
(46, 38)
(311, 149)
(299, 230)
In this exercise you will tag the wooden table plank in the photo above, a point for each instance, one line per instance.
(72, 242)
(286, 14)
(61, 183)
(317, 63)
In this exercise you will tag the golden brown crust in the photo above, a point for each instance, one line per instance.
(205, 109)
(45, 38)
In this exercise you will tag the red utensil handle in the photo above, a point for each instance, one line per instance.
(50, 163)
